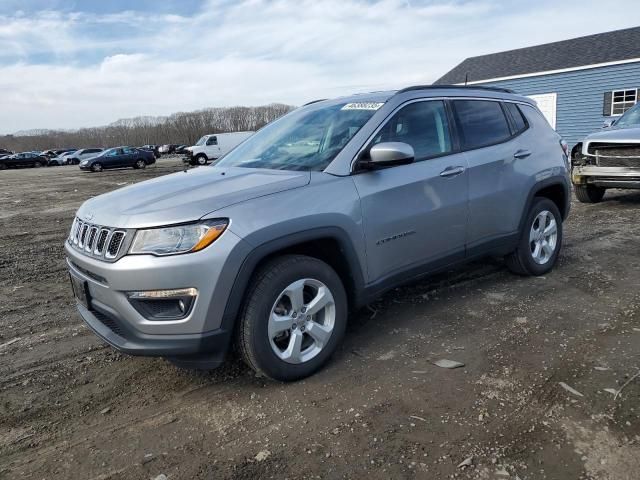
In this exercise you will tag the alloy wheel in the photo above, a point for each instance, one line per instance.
(301, 321)
(543, 237)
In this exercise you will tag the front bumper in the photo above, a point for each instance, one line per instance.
(113, 317)
(608, 177)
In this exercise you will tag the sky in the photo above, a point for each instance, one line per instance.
(71, 64)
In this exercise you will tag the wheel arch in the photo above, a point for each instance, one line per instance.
(329, 244)
(555, 189)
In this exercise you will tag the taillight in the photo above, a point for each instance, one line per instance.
(565, 147)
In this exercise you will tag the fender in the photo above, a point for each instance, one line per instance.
(262, 251)
(556, 180)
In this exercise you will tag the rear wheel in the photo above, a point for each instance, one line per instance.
(589, 193)
(96, 167)
(140, 164)
(540, 240)
(293, 319)
(37, 164)
(201, 159)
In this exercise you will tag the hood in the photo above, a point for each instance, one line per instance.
(613, 134)
(186, 196)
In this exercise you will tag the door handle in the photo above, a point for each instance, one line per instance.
(452, 171)
(522, 154)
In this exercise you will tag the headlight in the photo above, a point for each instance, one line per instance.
(84, 162)
(179, 238)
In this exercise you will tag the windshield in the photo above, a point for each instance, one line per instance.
(201, 141)
(630, 117)
(306, 139)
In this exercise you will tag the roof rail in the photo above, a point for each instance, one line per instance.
(449, 87)
(314, 101)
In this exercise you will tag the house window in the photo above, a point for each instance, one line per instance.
(623, 100)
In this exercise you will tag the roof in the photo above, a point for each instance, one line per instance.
(602, 48)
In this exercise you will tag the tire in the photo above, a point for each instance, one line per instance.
(589, 193)
(140, 164)
(201, 159)
(37, 164)
(524, 261)
(96, 167)
(3, 166)
(265, 345)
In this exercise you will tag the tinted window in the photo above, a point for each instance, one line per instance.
(129, 150)
(519, 123)
(212, 141)
(481, 122)
(423, 125)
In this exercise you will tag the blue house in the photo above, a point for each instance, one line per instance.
(578, 83)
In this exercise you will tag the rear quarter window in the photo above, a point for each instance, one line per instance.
(519, 123)
(481, 123)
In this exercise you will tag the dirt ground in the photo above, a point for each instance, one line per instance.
(72, 407)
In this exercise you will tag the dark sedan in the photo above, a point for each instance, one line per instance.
(27, 159)
(120, 157)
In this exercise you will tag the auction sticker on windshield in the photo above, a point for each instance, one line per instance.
(362, 106)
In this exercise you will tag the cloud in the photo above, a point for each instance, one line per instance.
(73, 69)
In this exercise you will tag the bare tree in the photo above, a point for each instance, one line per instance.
(179, 128)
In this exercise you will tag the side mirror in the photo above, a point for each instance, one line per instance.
(609, 122)
(389, 154)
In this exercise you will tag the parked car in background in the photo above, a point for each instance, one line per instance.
(168, 149)
(316, 214)
(120, 157)
(181, 149)
(608, 159)
(4, 151)
(61, 159)
(212, 147)
(25, 159)
(74, 158)
(152, 148)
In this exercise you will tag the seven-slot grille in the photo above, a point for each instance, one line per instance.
(96, 240)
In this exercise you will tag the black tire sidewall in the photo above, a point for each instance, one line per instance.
(526, 257)
(140, 164)
(201, 160)
(260, 344)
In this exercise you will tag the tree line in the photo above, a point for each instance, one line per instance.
(179, 128)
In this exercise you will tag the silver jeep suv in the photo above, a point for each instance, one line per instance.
(316, 215)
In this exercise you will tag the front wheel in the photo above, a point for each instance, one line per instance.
(96, 167)
(540, 240)
(589, 193)
(201, 159)
(37, 164)
(294, 318)
(140, 164)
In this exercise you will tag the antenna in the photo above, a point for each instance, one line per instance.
(466, 78)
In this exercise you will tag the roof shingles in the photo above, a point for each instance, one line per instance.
(606, 47)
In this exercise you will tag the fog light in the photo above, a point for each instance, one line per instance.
(172, 304)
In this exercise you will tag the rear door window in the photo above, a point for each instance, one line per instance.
(481, 123)
(423, 125)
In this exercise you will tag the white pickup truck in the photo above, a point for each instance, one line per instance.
(214, 146)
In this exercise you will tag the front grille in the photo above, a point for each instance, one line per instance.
(97, 241)
(114, 244)
(615, 154)
(618, 162)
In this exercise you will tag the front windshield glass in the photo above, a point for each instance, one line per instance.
(201, 141)
(630, 117)
(306, 139)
